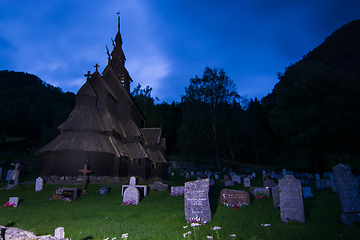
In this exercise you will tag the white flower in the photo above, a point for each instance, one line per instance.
(113, 238)
(186, 233)
(216, 228)
(195, 224)
(209, 237)
(265, 225)
(125, 235)
(233, 235)
(185, 226)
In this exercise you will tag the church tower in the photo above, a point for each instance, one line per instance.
(117, 60)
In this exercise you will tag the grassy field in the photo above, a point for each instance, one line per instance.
(161, 216)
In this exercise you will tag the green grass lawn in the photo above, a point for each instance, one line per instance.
(161, 216)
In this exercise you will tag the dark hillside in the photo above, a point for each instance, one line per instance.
(314, 108)
(30, 107)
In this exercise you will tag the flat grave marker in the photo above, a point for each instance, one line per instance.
(67, 192)
(234, 197)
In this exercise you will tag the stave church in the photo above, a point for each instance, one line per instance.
(105, 130)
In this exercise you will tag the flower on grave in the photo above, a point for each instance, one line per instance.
(130, 202)
(177, 193)
(185, 234)
(185, 226)
(209, 237)
(9, 205)
(195, 220)
(59, 197)
(265, 225)
(233, 235)
(259, 193)
(125, 235)
(216, 228)
(195, 224)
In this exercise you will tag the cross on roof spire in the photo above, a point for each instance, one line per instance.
(96, 66)
(87, 75)
(118, 13)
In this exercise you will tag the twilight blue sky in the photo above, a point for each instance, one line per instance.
(167, 42)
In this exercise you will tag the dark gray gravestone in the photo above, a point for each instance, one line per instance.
(275, 191)
(196, 200)
(291, 200)
(103, 190)
(348, 193)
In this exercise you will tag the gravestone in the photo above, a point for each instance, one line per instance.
(216, 177)
(14, 200)
(247, 182)
(291, 199)
(192, 173)
(264, 172)
(159, 186)
(259, 192)
(269, 183)
(226, 178)
(187, 176)
(196, 200)
(14, 177)
(67, 192)
(178, 190)
(253, 175)
(320, 184)
(208, 173)
(131, 195)
(229, 183)
(8, 174)
(234, 197)
(59, 233)
(103, 190)
(275, 191)
(236, 178)
(132, 181)
(39, 184)
(284, 172)
(348, 193)
(307, 192)
(317, 176)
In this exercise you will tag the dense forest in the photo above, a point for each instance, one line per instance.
(310, 120)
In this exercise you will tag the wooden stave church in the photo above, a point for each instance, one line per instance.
(106, 130)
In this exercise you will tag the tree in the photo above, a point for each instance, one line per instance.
(206, 102)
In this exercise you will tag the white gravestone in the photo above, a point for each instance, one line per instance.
(247, 182)
(39, 184)
(131, 196)
(132, 181)
(59, 233)
(14, 200)
(236, 178)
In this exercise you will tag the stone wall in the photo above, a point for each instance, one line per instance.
(191, 166)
